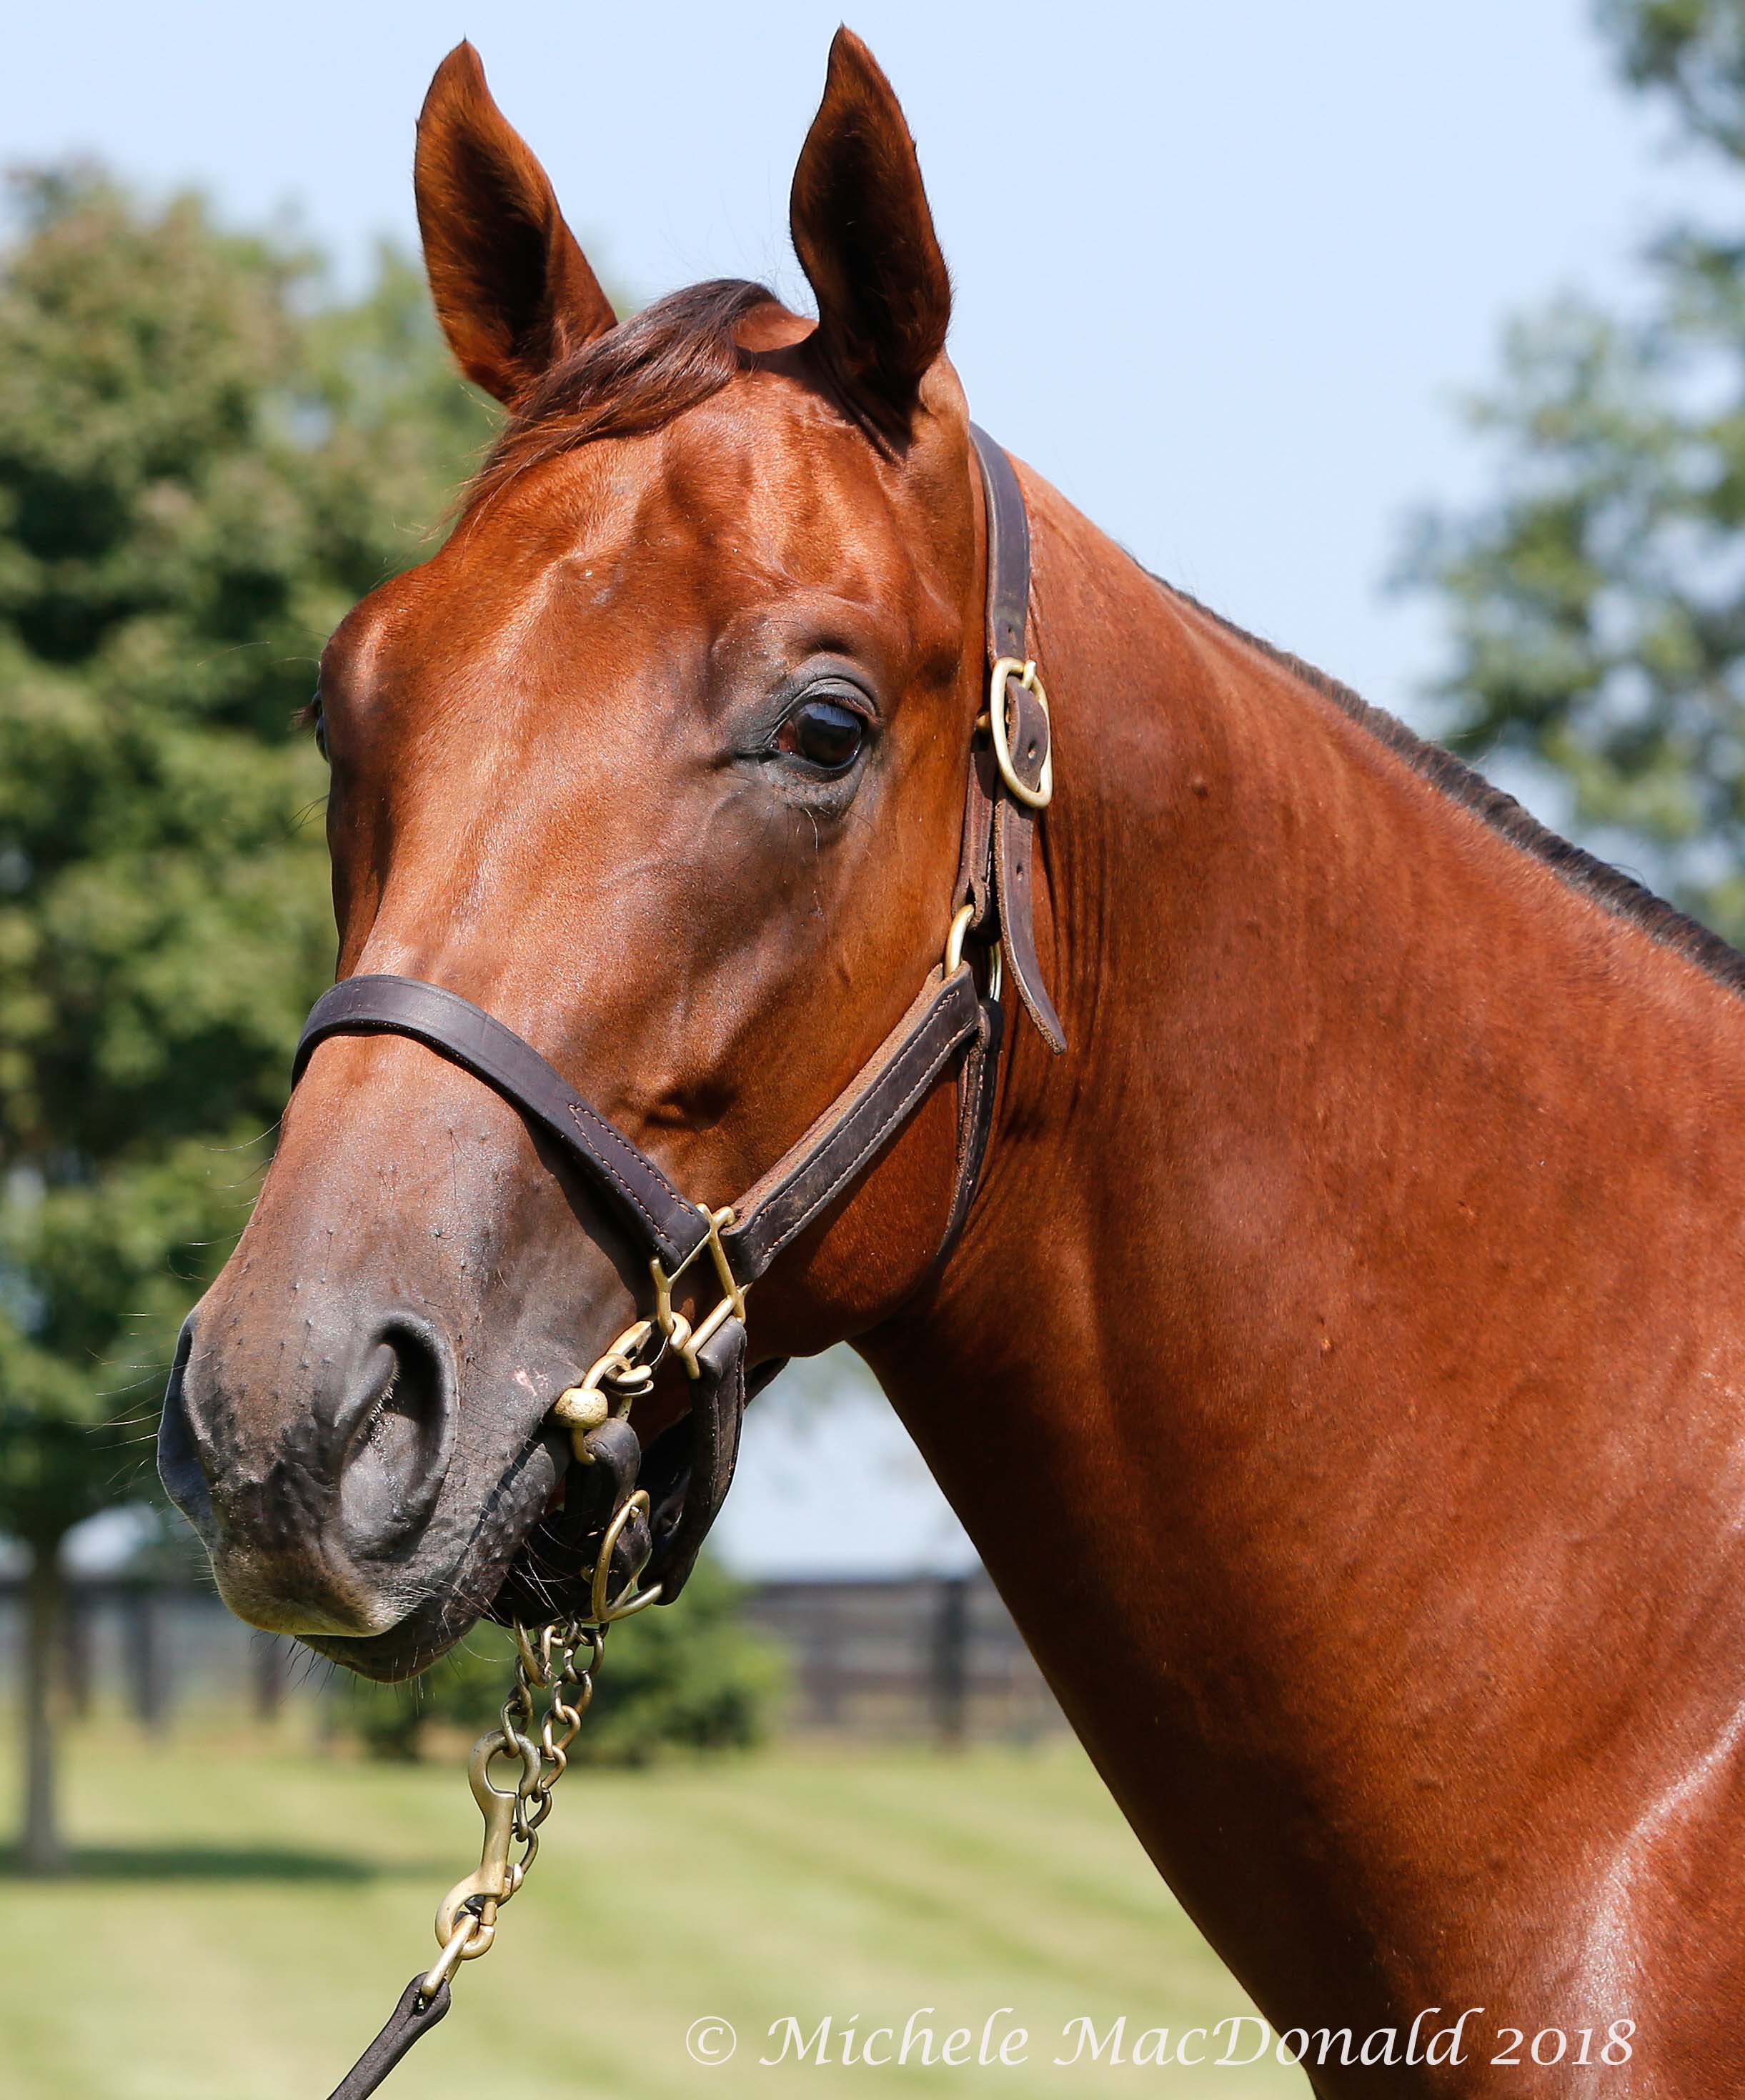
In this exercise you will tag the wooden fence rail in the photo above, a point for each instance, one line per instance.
(927, 1656)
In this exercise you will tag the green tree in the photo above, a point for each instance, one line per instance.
(1597, 603)
(205, 460)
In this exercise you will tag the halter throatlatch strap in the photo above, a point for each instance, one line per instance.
(951, 1021)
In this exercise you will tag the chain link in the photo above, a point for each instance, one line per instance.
(548, 1660)
(559, 1659)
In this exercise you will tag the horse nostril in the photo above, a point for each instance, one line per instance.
(398, 1442)
(179, 1466)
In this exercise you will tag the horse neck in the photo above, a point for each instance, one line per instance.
(1300, 1379)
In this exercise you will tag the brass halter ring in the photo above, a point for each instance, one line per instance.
(604, 1607)
(1009, 667)
(621, 1374)
(954, 950)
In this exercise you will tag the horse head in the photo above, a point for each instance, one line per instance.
(660, 761)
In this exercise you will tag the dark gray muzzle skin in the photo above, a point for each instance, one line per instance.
(333, 1529)
(372, 1451)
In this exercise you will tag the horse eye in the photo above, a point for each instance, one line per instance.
(314, 718)
(825, 733)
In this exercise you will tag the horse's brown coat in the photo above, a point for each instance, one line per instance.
(1342, 1370)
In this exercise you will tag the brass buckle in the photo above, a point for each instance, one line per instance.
(1009, 667)
(680, 1334)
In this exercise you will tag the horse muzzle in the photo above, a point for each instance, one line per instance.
(314, 1526)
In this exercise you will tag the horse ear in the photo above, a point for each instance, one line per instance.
(864, 237)
(513, 290)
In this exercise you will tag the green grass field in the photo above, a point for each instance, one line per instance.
(247, 1911)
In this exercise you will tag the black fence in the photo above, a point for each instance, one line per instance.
(931, 1656)
(927, 1656)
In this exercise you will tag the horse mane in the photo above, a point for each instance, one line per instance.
(635, 377)
(1609, 887)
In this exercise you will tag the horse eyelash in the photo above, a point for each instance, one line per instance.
(309, 717)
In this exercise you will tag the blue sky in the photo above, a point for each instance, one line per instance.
(1222, 273)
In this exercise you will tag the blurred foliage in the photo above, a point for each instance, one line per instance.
(205, 460)
(695, 1678)
(1694, 51)
(1598, 603)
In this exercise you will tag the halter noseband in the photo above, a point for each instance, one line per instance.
(658, 1529)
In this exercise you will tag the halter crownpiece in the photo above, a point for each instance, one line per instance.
(951, 1019)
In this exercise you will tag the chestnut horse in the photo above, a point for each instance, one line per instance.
(1339, 1371)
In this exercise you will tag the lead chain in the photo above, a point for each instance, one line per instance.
(549, 1660)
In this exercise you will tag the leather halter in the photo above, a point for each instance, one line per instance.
(951, 1020)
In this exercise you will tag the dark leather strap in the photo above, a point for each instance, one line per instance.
(456, 1029)
(1008, 548)
(1015, 880)
(717, 1409)
(409, 2019)
(856, 1127)
(975, 876)
(975, 1120)
(1014, 822)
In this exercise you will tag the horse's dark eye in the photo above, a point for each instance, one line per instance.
(825, 733)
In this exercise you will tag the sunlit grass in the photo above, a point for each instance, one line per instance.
(245, 1911)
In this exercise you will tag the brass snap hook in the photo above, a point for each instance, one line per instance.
(467, 1916)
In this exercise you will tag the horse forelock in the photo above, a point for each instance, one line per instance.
(637, 377)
